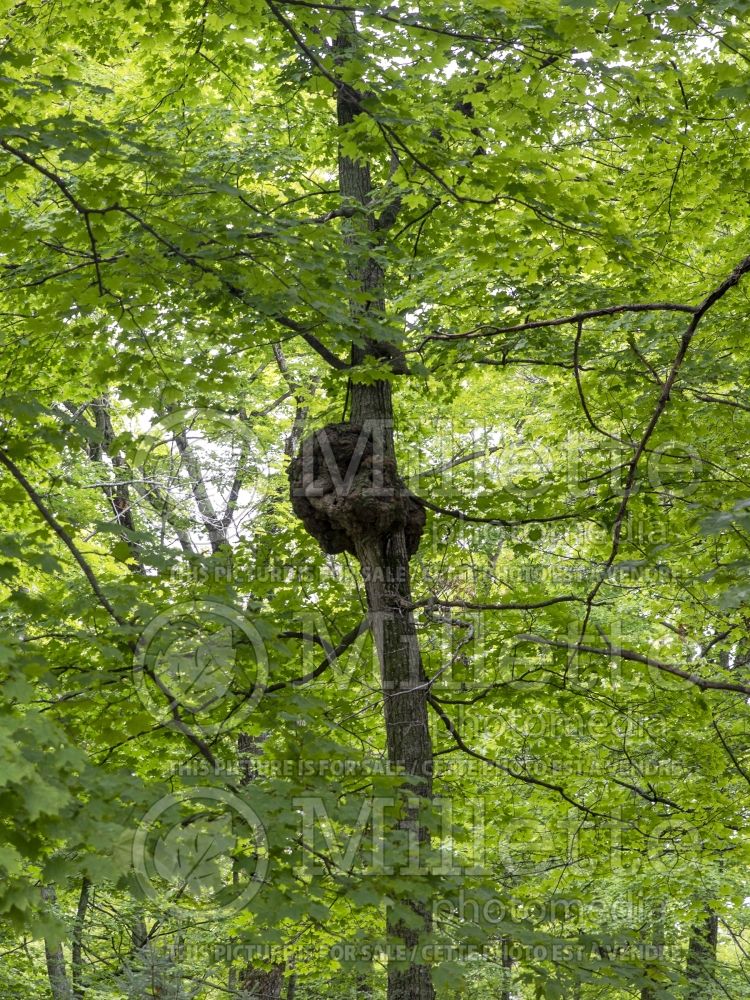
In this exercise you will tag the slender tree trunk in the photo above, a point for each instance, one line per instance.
(53, 953)
(364, 986)
(265, 984)
(212, 522)
(507, 964)
(657, 941)
(255, 980)
(385, 560)
(76, 957)
(118, 493)
(138, 934)
(700, 968)
(291, 986)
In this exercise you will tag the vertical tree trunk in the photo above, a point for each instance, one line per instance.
(385, 560)
(76, 957)
(291, 986)
(701, 957)
(385, 567)
(507, 964)
(364, 986)
(657, 942)
(255, 980)
(55, 958)
(265, 984)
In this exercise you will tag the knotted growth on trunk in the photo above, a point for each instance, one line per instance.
(345, 490)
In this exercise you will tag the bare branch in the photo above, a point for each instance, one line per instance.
(62, 534)
(631, 655)
(501, 522)
(332, 653)
(510, 606)
(518, 775)
(487, 330)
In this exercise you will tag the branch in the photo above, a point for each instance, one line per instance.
(475, 519)
(415, 25)
(390, 136)
(525, 778)
(730, 753)
(458, 460)
(312, 341)
(318, 220)
(664, 396)
(707, 397)
(650, 795)
(332, 653)
(579, 386)
(511, 606)
(81, 209)
(176, 721)
(634, 657)
(62, 535)
(487, 330)
(187, 258)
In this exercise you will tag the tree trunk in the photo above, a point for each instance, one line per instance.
(507, 964)
(649, 992)
(265, 984)
(53, 953)
(255, 980)
(380, 523)
(76, 958)
(701, 957)
(385, 560)
(364, 986)
(291, 986)
(385, 567)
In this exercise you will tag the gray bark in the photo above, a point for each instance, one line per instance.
(55, 958)
(76, 957)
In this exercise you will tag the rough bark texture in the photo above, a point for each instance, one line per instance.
(364, 986)
(256, 980)
(291, 986)
(265, 984)
(76, 956)
(344, 489)
(507, 965)
(118, 493)
(381, 524)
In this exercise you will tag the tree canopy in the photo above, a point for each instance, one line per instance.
(375, 524)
